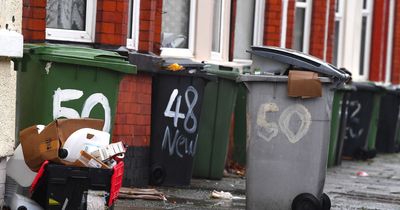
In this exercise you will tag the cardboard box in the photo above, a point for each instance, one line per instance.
(304, 84)
(87, 160)
(40, 146)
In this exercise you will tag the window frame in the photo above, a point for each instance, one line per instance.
(388, 70)
(184, 52)
(339, 17)
(87, 36)
(218, 56)
(307, 5)
(133, 42)
(368, 13)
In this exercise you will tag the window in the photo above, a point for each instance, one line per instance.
(133, 26)
(244, 30)
(366, 28)
(217, 30)
(178, 28)
(389, 51)
(302, 25)
(71, 20)
(339, 29)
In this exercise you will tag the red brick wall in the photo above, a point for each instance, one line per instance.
(112, 22)
(290, 23)
(379, 40)
(318, 24)
(272, 22)
(33, 20)
(150, 26)
(331, 31)
(396, 47)
(132, 122)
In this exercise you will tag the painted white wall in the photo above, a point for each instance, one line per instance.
(11, 14)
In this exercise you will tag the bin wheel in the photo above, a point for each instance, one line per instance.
(306, 201)
(157, 175)
(326, 202)
(360, 154)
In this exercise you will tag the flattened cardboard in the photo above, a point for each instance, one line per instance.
(304, 84)
(87, 160)
(38, 147)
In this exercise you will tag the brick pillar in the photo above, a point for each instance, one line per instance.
(396, 46)
(317, 36)
(272, 22)
(132, 122)
(290, 23)
(150, 26)
(379, 40)
(34, 20)
(112, 22)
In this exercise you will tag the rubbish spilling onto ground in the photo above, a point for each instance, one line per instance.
(224, 195)
(137, 193)
(78, 155)
(362, 174)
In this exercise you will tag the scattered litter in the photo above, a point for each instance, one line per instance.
(224, 195)
(146, 194)
(362, 173)
(95, 200)
(221, 195)
(175, 67)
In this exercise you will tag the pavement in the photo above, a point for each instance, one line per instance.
(365, 185)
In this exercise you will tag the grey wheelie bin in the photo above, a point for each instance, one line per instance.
(288, 137)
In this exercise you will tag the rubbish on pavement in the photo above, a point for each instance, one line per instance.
(86, 139)
(221, 195)
(21, 202)
(109, 151)
(95, 200)
(224, 195)
(146, 194)
(362, 174)
(18, 170)
(40, 145)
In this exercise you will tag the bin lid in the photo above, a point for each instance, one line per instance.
(222, 71)
(301, 60)
(82, 56)
(367, 86)
(191, 68)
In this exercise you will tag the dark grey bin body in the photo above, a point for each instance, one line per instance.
(288, 141)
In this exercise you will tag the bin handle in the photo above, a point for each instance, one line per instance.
(107, 57)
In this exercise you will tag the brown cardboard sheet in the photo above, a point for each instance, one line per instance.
(304, 84)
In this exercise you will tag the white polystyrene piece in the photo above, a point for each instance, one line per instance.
(19, 201)
(11, 43)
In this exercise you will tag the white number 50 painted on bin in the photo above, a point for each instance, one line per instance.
(72, 94)
(268, 130)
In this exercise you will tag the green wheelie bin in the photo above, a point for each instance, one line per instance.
(217, 109)
(59, 81)
(338, 124)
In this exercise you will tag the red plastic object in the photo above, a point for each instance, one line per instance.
(38, 175)
(116, 182)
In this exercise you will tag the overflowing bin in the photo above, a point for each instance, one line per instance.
(218, 106)
(176, 108)
(288, 137)
(387, 140)
(58, 81)
(362, 122)
(338, 124)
